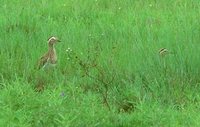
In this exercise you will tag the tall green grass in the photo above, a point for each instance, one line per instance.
(129, 85)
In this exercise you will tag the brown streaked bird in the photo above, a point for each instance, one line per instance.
(163, 51)
(49, 59)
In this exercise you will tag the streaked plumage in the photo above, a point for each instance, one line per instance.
(163, 51)
(49, 59)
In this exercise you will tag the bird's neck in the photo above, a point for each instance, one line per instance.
(51, 47)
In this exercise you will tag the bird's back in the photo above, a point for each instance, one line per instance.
(43, 60)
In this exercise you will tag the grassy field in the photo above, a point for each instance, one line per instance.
(109, 71)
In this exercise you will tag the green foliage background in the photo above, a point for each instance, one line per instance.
(134, 85)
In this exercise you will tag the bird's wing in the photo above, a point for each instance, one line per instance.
(43, 60)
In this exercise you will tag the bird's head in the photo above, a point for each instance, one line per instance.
(52, 40)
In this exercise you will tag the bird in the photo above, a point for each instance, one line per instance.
(49, 59)
(163, 51)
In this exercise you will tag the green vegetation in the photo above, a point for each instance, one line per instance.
(114, 75)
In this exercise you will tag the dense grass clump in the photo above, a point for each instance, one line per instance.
(109, 70)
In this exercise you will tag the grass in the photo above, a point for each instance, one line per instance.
(113, 76)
